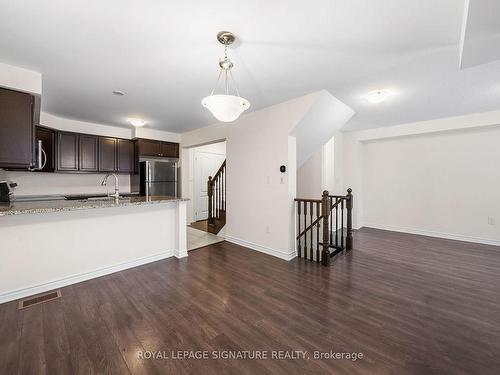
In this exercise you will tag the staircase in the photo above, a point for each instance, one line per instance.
(324, 227)
(216, 190)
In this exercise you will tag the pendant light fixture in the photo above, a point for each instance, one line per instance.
(225, 107)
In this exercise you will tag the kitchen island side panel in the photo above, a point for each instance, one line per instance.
(41, 252)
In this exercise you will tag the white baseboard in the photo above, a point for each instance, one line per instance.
(73, 279)
(263, 249)
(485, 241)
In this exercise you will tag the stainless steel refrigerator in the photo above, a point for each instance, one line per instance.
(158, 177)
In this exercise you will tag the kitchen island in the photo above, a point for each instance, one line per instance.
(48, 244)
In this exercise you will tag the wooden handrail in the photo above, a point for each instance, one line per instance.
(319, 218)
(219, 171)
(335, 204)
(307, 200)
(339, 196)
(309, 227)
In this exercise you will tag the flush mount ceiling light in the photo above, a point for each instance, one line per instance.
(118, 92)
(377, 96)
(225, 107)
(137, 122)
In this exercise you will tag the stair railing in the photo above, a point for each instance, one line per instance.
(216, 191)
(328, 218)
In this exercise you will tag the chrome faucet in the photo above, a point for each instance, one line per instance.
(104, 181)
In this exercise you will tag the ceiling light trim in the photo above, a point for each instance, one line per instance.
(137, 122)
(378, 96)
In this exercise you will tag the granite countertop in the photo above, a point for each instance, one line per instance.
(46, 206)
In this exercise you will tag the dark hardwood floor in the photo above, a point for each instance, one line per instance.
(410, 304)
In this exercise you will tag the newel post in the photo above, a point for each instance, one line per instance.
(348, 242)
(210, 200)
(325, 212)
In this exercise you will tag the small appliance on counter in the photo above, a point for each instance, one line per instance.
(7, 191)
(158, 177)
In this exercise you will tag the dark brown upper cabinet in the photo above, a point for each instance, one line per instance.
(48, 138)
(125, 156)
(169, 149)
(67, 151)
(17, 129)
(107, 154)
(148, 147)
(88, 153)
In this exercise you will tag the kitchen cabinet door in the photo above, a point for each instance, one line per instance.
(67, 151)
(148, 147)
(169, 149)
(125, 154)
(17, 130)
(107, 154)
(88, 153)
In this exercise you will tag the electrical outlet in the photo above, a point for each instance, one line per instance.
(268, 180)
(491, 221)
(268, 231)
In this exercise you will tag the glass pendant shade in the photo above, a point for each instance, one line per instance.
(226, 108)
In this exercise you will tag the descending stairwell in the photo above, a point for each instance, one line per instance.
(324, 226)
(216, 190)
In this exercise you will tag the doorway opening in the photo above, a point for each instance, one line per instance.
(203, 162)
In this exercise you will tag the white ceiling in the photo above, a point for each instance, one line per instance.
(164, 55)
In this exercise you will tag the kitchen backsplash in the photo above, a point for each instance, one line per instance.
(37, 183)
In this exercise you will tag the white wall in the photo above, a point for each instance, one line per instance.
(437, 177)
(20, 79)
(145, 132)
(322, 171)
(61, 123)
(260, 210)
(310, 177)
(444, 183)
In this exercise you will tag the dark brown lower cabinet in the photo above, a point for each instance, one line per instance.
(125, 156)
(107, 154)
(67, 151)
(88, 153)
(17, 129)
(48, 138)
